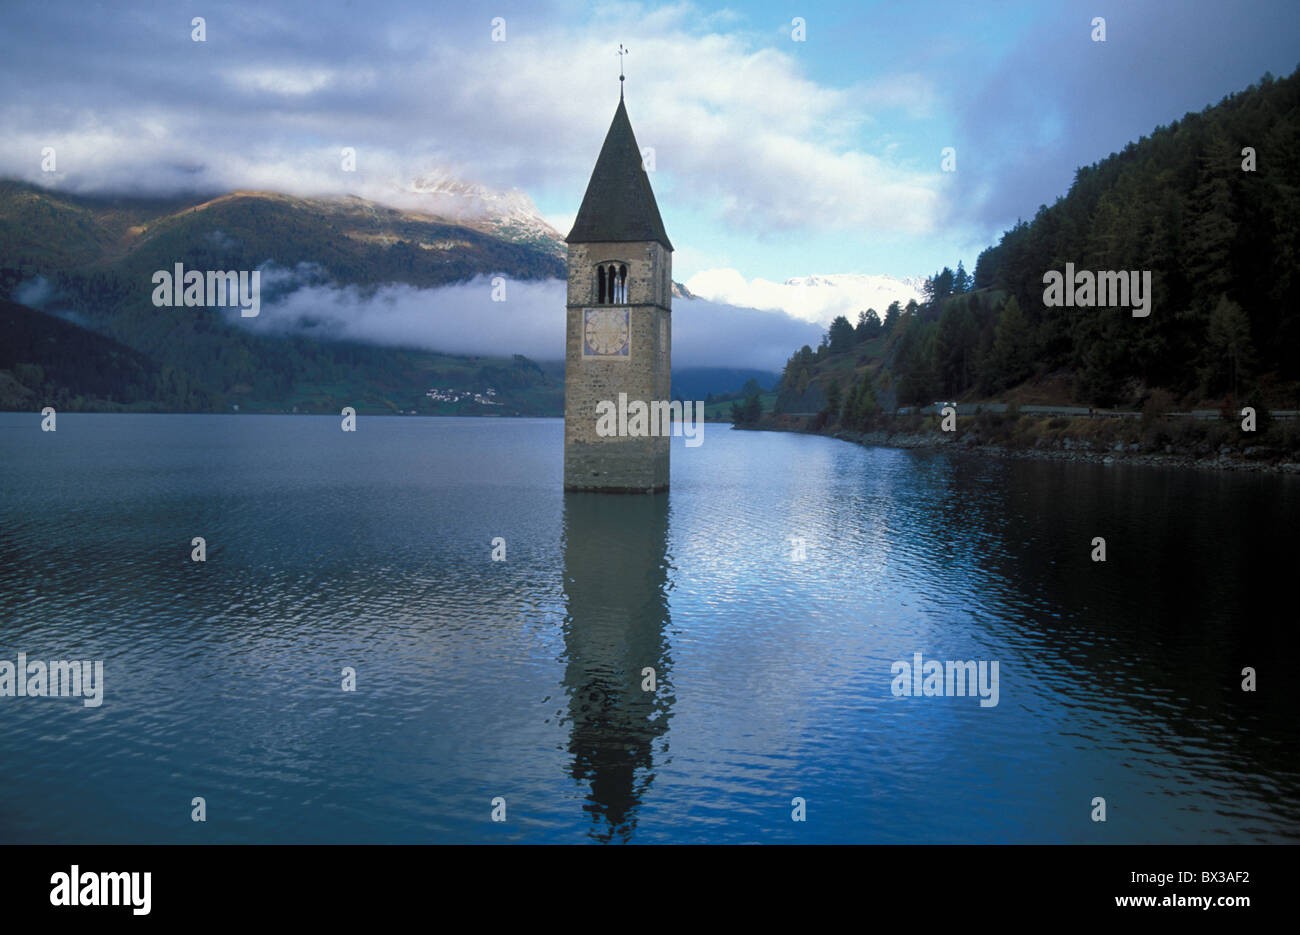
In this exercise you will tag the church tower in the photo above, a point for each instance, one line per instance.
(619, 324)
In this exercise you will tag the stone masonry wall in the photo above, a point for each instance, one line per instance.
(617, 463)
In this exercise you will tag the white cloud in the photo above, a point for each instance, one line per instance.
(289, 81)
(741, 132)
(815, 299)
(463, 319)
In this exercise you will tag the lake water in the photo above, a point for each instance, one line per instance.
(522, 679)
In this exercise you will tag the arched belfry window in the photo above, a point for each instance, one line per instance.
(611, 284)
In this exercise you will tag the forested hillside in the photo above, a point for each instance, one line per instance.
(87, 263)
(45, 361)
(1209, 205)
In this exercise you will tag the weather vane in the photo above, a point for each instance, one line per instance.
(621, 52)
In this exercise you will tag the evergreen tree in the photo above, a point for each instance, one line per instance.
(891, 319)
(840, 336)
(861, 405)
(1213, 228)
(914, 365)
(984, 268)
(957, 348)
(868, 327)
(1229, 354)
(961, 281)
(942, 285)
(1012, 357)
(833, 395)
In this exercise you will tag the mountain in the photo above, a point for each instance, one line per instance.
(86, 263)
(1207, 207)
(89, 260)
(45, 361)
(511, 215)
(696, 383)
(354, 240)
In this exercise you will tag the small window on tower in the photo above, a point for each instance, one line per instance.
(611, 284)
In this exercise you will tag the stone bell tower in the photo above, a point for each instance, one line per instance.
(619, 326)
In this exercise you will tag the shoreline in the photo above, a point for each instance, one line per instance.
(1080, 452)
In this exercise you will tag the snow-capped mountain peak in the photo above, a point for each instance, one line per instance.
(816, 298)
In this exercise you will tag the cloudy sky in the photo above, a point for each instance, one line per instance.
(774, 158)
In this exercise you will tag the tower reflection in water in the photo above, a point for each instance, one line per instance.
(615, 582)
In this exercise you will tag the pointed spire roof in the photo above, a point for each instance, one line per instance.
(619, 206)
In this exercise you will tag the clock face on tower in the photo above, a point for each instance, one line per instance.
(605, 332)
